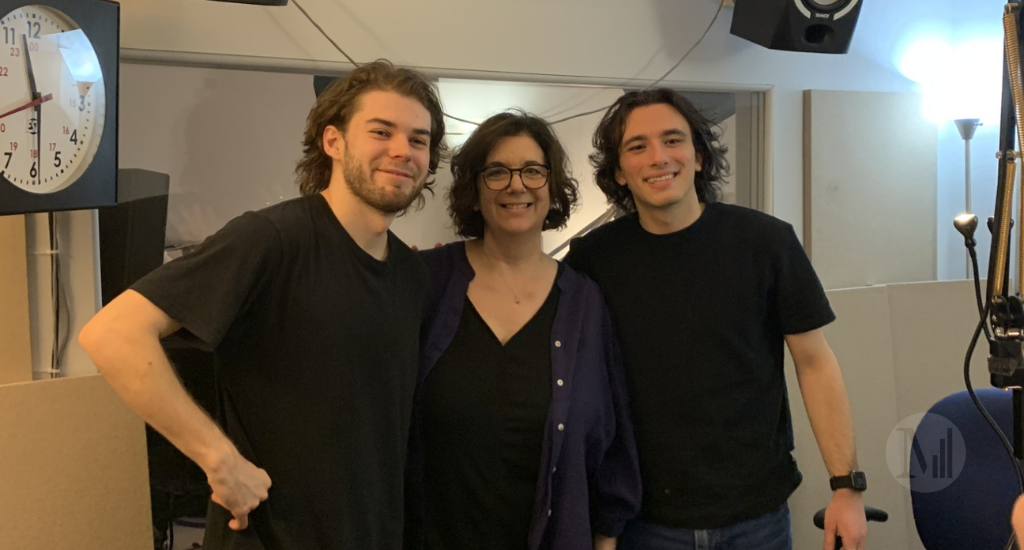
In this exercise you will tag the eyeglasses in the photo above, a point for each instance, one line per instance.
(497, 178)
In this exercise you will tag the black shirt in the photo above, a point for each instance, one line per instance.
(485, 406)
(701, 315)
(316, 344)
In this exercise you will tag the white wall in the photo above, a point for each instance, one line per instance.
(600, 38)
(973, 69)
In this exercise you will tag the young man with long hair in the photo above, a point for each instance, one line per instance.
(312, 308)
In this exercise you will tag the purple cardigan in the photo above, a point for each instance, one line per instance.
(590, 477)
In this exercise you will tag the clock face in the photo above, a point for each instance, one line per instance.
(52, 100)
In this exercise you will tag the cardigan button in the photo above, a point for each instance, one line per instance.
(549, 512)
(560, 383)
(561, 427)
(558, 343)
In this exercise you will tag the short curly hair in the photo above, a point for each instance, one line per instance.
(608, 140)
(336, 105)
(469, 161)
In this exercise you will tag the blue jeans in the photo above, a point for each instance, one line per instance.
(768, 532)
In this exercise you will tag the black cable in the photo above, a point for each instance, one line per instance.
(664, 76)
(984, 412)
(324, 33)
(54, 296)
(62, 298)
(353, 61)
(649, 86)
(977, 291)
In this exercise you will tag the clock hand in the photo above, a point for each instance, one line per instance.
(39, 141)
(28, 105)
(31, 74)
(38, 108)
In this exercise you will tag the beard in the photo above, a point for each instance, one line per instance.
(385, 199)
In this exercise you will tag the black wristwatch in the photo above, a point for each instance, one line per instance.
(854, 480)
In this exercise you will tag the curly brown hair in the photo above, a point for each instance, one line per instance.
(469, 160)
(336, 105)
(608, 141)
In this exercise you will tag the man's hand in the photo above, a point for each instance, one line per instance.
(845, 517)
(238, 486)
(602, 542)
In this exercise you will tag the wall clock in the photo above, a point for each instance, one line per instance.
(58, 104)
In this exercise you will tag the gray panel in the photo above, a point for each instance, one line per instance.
(870, 174)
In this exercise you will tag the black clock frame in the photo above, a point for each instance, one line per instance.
(100, 20)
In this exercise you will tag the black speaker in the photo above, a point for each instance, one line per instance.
(813, 26)
(132, 232)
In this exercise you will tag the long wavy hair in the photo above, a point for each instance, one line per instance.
(336, 105)
(608, 141)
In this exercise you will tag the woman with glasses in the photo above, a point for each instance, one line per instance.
(523, 435)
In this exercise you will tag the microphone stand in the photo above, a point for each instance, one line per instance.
(1005, 309)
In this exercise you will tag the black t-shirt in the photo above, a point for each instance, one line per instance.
(701, 315)
(485, 406)
(316, 346)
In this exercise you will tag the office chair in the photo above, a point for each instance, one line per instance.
(873, 514)
(973, 511)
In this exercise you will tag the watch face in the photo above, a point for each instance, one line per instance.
(860, 481)
(52, 100)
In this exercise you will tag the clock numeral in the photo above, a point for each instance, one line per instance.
(14, 146)
(56, 159)
(66, 130)
(15, 52)
(3, 71)
(73, 102)
(81, 103)
(74, 137)
(33, 46)
(9, 156)
(34, 172)
(34, 153)
(3, 127)
(9, 36)
(53, 146)
(33, 29)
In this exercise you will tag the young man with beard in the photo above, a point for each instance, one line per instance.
(312, 308)
(704, 295)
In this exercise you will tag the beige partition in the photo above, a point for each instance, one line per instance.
(862, 340)
(902, 349)
(15, 344)
(72, 468)
(870, 169)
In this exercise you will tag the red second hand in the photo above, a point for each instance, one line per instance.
(28, 105)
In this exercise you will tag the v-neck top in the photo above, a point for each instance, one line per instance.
(589, 476)
(485, 407)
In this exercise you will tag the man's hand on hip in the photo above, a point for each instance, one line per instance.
(238, 486)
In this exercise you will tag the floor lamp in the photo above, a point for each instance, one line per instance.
(967, 126)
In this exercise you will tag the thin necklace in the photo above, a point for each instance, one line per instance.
(515, 295)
